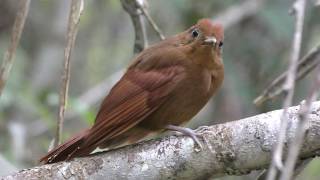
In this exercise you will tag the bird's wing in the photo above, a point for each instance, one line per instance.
(138, 93)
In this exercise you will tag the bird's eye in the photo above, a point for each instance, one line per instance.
(220, 44)
(195, 33)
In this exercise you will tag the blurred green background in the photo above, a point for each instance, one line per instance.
(256, 50)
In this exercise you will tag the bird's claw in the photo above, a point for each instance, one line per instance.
(187, 132)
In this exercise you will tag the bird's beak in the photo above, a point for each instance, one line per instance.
(210, 40)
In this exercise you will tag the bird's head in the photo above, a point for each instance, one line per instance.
(204, 39)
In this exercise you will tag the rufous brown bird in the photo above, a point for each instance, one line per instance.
(165, 86)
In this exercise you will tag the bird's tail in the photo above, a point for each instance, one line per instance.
(68, 150)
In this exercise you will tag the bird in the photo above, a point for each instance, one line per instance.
(163, 88)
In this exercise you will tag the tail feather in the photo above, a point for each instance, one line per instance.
(67, 150)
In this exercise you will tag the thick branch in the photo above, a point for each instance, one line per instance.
(236, 147)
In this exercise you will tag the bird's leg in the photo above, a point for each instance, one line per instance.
(186, 131)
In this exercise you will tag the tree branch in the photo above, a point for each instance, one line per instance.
(132, 8)
(235, 148)
(74, 18)
(298, 10)
(295, 147)
(155, 27)
(305, 65)
(15, 38)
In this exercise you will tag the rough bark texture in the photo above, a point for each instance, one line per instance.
(235, 148)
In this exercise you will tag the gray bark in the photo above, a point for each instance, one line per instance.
(233, 148)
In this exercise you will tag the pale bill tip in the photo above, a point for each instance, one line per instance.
(210, 39)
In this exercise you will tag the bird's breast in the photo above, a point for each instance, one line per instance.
(184, 102)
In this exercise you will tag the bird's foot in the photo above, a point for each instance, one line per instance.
(188, 132)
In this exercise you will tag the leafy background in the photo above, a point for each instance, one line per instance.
(256, 50)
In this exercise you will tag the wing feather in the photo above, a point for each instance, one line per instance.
(133, 98)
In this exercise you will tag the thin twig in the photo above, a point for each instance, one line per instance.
(298, 9)
(15, 38)
(74, 18)
(142, 7)
(301, 130)
(306, 65)
(141, 41)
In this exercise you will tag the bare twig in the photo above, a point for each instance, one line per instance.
(142, 6)
(141, 41)
(298, 9)
(74, 18)
(15, 38)
(306, 64)
(226, 147)
(297, 142)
